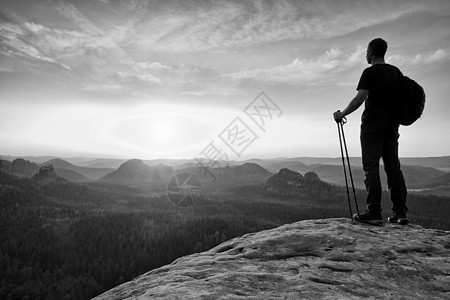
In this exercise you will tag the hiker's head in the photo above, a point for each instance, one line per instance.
(376, 48)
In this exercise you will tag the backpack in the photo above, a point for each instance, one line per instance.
(410, 101)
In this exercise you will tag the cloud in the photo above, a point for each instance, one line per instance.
(144, 45)
(67, 47)
(136, 78)
(217, 26)
(62, 47)
(72, 46)
(13, 37)
(213, 91)
(325, 68)
(102, 88)
(438, 55)
(94, 56)
(332, 66)
(420, 59)
(173, 70)
(154, 66)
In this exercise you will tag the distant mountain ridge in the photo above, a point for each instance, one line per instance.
(415, 176)
(330, 170)
(248, 169)
(246, 173)
(442, 181)
(25, 168)
(135, 172)
(65, 168)
(275, 166)
(438, 162)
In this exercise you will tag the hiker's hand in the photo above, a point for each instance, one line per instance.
(338, 115)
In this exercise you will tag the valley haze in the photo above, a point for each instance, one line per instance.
(421, 173)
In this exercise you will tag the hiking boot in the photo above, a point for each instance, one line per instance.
(400, 218)
(369, 218)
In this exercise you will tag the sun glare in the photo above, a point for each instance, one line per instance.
(159, 130)
(163, 129)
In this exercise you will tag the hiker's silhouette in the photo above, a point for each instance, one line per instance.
(379, 134)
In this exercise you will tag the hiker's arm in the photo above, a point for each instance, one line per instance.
(356, 102)
(352, 106)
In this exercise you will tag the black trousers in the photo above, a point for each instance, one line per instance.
(375, 146)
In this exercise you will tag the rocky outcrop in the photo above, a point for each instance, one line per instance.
(288, 182)
(314, 259)
(284, 181)
(5, 166)
(47, 176)
(19, 167)
(311, 176)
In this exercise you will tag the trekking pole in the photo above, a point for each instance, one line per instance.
(343, 163)
(340, 126)
(349, 167)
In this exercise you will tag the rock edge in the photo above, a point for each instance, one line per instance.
(312, 259)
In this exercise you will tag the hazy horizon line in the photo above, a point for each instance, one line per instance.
(193, 158)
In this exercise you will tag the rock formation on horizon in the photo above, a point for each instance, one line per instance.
(47, 176)
(288, 182)
(313, 259)
(19, 167)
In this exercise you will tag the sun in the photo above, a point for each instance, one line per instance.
(162, 129)
(158, 130)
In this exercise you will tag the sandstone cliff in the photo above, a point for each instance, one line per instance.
(314, 259)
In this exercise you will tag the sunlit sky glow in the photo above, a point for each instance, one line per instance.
(162, 79)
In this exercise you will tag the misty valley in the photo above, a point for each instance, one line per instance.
(74, 229)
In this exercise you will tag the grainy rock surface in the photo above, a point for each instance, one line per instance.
(314, 259)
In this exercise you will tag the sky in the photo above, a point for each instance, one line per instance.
(216, 79)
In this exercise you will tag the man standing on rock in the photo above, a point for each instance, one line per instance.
(379, 135)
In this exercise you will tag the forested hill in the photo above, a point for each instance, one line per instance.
(135, 172)
(61, 240)
(65, 240)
